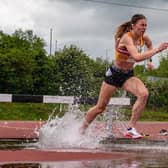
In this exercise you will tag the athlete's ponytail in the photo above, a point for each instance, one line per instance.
(123, 28)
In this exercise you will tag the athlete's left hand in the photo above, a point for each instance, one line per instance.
(150, 66)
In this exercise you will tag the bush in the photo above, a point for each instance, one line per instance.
(158, 94)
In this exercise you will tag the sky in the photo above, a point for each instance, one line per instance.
(89, 24)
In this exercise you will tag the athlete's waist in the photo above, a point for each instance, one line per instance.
(122, 70)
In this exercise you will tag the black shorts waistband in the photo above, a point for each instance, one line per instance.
(120, 70)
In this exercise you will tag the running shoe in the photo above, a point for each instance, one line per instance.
(163, 132)
(132, 133)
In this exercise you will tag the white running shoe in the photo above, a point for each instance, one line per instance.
(132, 133)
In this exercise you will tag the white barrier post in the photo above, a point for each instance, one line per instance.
(113, 105)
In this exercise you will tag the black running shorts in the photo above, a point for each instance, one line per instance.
(117, 77)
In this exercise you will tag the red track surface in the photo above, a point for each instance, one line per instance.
(40, 156)
(25, 129)
(19, 129)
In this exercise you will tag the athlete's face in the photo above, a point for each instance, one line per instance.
(140, 26)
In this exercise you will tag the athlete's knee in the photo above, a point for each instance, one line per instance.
(143, 95)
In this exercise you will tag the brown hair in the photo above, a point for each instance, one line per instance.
(127, 26)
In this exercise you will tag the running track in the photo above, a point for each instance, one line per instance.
(25, 129)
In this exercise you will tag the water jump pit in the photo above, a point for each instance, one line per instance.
(19, 147)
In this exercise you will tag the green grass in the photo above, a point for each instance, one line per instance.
(149, 114)
(27, 111)
(41, 111)
(154, 115)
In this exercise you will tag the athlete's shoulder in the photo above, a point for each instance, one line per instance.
(147, 40)
(146, 37)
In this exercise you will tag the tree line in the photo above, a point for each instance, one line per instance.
(26, 68)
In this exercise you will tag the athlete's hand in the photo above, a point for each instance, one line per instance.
(150, 66)
(162, 47)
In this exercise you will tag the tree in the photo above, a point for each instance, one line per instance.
(162, 70)
(25, 68)
(77, 72)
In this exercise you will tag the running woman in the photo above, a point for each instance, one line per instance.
(130, 38)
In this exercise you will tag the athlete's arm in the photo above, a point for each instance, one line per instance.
(149, 46)
(128, 42)
(148, 42)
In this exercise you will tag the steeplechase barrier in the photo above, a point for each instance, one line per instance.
(114, 103)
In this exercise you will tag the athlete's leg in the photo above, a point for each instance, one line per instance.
(106, 92)
(137, 88)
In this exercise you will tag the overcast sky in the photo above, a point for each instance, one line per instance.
(89, 25)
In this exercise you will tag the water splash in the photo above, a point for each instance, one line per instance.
(63, 132)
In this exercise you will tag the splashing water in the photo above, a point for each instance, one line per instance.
(63, 133)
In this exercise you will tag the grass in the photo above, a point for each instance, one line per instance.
(149, 114)
(27, 111)
(41, 111)
(154, 115)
